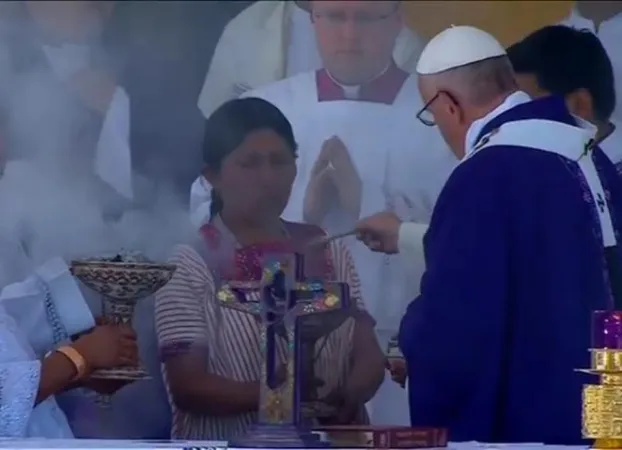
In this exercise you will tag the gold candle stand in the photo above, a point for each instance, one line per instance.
(602, 403)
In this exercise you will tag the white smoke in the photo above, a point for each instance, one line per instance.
(46, 207)
(53, 217)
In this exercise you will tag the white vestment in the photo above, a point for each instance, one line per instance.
(612, 145)
(36, 315)
(403, 166)
(252, 52)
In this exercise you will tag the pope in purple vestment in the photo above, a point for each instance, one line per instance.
(514, 269)
(522, 247)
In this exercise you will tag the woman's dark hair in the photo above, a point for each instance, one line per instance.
(230, 124)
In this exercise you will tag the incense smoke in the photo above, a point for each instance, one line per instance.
(49, 206)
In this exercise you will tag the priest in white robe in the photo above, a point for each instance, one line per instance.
(273, 40)
(361, 150)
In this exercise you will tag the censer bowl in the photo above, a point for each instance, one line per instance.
(121, 285)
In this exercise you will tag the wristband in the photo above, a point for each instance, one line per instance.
(77, 360)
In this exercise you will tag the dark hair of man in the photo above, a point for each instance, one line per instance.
(231, 123)
(565, 59)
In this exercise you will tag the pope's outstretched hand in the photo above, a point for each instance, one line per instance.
(380, 232)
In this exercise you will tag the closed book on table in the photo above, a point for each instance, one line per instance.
(367, 436)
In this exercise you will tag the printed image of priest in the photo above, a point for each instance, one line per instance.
(361, 150)
(574, 64)
(270, 41)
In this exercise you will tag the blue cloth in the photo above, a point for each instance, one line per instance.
(515, 266)
(35, 316)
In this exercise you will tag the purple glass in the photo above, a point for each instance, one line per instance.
(607, 329)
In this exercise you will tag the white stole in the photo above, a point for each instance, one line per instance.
(612, 144)
(565, 140)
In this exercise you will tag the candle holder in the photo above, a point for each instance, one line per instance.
(602, 402)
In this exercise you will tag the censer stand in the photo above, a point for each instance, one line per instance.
(121, 285)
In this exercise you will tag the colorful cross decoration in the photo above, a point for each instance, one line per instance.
(281, 298)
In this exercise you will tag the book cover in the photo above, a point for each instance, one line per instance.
(367, 436)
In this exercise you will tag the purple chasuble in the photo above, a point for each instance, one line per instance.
(515, 266)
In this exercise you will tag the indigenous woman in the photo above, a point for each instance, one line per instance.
(211, 355)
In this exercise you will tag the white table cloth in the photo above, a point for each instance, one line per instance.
(87, 444)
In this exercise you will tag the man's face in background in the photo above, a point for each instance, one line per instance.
(356, 38)
(75, 22)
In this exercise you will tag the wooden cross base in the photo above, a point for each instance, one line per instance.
(278, 436)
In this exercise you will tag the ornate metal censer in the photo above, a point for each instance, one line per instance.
(121, 285)
(602, 403)
(300, 311)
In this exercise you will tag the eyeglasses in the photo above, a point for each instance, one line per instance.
(361, 19)
(425, 116)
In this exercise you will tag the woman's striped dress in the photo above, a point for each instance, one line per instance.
(187, 311)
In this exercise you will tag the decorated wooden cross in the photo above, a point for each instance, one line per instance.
(285, 301)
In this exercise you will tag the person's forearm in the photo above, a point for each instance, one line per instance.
(57, 374)
(209, 394)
